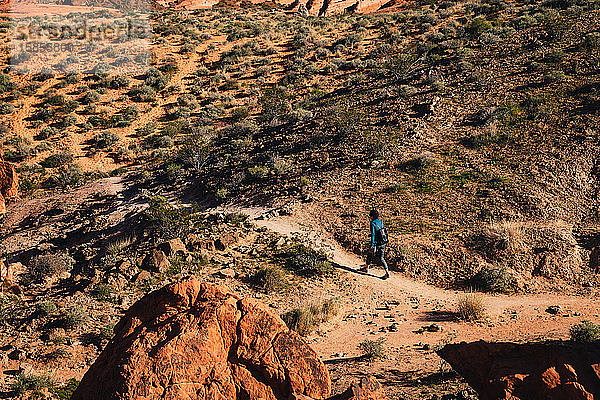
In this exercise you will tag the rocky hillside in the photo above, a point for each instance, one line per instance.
(471, 126)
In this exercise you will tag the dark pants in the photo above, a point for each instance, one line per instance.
(377, 256)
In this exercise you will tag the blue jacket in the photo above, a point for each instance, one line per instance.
(376, 224)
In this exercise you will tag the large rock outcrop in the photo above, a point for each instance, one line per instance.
(531, 371)
(193, 340)
(9, 183)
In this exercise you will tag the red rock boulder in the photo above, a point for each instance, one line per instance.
(531, 371)
(9, 183)
(193, 340)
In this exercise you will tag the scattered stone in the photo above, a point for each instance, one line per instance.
(142, 277)
(16, 355)
(367, 389)
(227, 273)
(126, 268)
(172, 247)
(225, 241)
(156, 261)
(553, 310)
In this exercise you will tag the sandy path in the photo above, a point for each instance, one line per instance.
(377, 304)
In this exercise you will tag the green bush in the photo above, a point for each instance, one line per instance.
(46, 308)
(493, 280)
(57, 160)
(169, 221)
(48, 132)
(66, 391)
(304, 260)
(6, 85)
(585, 332)
(67, 176)
(90, 97)
(105, 139)
(73, 318)
(372, 349)
(25, 381)
(6, 108)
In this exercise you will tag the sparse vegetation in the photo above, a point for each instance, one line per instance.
(47, 265)
(306, 261)
(372, 349)
(471, 307)
(585, 332)
(306, 319)
(26, 381)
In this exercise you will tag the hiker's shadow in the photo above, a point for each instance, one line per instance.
(353, 270)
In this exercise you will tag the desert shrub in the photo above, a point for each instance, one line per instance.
(48, 132)
(168, 221)
(46, 265)
(258, 172)
(493, 280)
(304, 260)
(105, 139)
(101, 69)
(554, 76)
(305, 320)
(6, 85)
(73, 318)
(275, 103)
(158, 141)
(69, 120)
(66, 176)
(105, 292)
(66, 391)
(471, 307)
(26, 381)
(118, 82)
(143, 93)
(585, 332)
(6, 108)
(478, 26)
(90, 97)
(419, 162)
(407, 91)
(156, 79)
(42, 114)
(187, 100)
(56, 100)
(44, 74)
(498, 239)
(240, 113)
(591, 41)
(372, 349)
(57, 160)
(46, 308)
(72, 78)
(146, 130)
(270, 279)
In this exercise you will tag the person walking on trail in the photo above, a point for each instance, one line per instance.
(379, 239)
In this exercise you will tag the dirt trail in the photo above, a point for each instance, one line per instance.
(376, 305)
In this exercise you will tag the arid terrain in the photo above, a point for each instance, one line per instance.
(245, 144)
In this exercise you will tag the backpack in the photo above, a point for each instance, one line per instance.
(381, 235)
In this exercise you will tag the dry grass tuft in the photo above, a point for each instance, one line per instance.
(471, 307)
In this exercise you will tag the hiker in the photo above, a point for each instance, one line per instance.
(379, 238)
